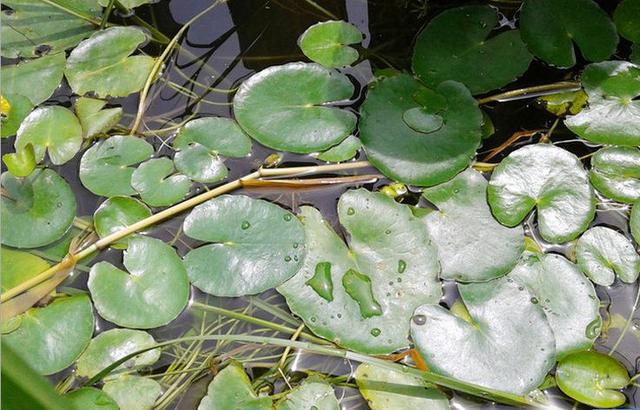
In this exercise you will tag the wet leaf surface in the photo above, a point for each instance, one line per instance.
(327, 43)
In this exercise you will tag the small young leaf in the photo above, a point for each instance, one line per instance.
(327, 43)
(133, 392)
(22, 162)
(344, 151)
(93, 118)
(615, 172)
(231, 389)
(18, 107)
(157, 183)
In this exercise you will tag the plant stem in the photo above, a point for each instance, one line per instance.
(530, 92)
(106, 14)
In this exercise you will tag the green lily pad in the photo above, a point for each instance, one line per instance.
(550, 28)
(111, 346)
(455, 45)
(157, 183)
(116, 213)
(613, 111)
(231, 389)
(472, 245)
(508, 345)
(33, 28)
(133, 392)
(567, 297)
(90, 398)
(602, 254)
(615, 172)
(327, 43)
(626, 17)
(550, 179)
(201, 142)
(51, 338)
(151, 294)
(19, 108)
(634, 222)
(114, 73)
(38, 210)
(52, 129)
(413, 157)
(18, 266)
(312, 394)
(385, 389)
(104, 168)
(93, 118)
(288, 107)
(344, 151)
(593, 378)
(362, 296)
(22, 162)
(45, 71)
(256, 246)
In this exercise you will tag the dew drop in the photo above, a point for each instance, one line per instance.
(351, 211)
(287, 217)
(295, 245)
(388, 231)
(321, 281)
(534, 300)
(419, 320)
(358, 287)
(313, 319)
(375, 332)
(245, 225)
(402, 266)
(287, 258)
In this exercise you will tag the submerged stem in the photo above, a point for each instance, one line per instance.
(531, 92)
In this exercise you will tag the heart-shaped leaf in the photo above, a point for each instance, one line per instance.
(256, 246)
(90, 398)
(420, 120)
(36, 210)
(613, 111)
(602, 254)
(151, 294)
(45, 71)
(157, 183)
(550, 28)
(507, 345)
(18, 109)
(344, 151)
(51, 338)
(327, 43)
(133, 392)
(362, 296)
(116, 213)
(550, 179)
(413, 157)
(52, 129)
(472, 245)
(114, 73)
(111, 346)
(481, 63)
(22, 162)
(626, 17)
(593, 378)
(313, 393)
(634, 221)
(385, 389)
(231, 389)
(302, 121)
(93, 118)
(615, 172)
(104, 168)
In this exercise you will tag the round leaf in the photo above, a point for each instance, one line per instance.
(19, 108)
(455, 45)
(550, 179)
(302, 120)
(327, 43)
(413, 157)
(50, 338)
(104, 167)
(36, 210)
(93, 118)
(344, 151)
(550, 28)
(256, 246)
(157, 184)
(615, 172)
(603, 253)
(311, 394)
(90, 398)
(231, 389)
(626, 17)
(152, 294)
(199, 164)
(472, 245)
(116, 213)
(45, 71)
(507, 344)
(362, 296)
(133, 392)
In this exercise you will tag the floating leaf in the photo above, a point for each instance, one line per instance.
(550, 28)
(472, 245)
(18, 266)
(18, 109)
(567, 297)
(45, 71)
(455, 45)
(302, 121)
(313, 394)
(115, 73)
(602, 254)
(385, 389)
(157, 184)
(344, 151)
(93, 118)
(36, 210)
(104, 168)
(231, 389)
(33, 28)
(413, 157)
(133, 392)
(550, 179)
(22, 162)
(50, 338)
(389, 268)
(126, 3)
(613, 111)
(593, 378)
(116, 213)
(111, 346)
(256, 245)
(626, 17)
(201, 142)
(508, 345)
(634, 222)
(52, 129)
(615, 172)
(90, 398)
(152, 294)
(566, 103)
(327, 43)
